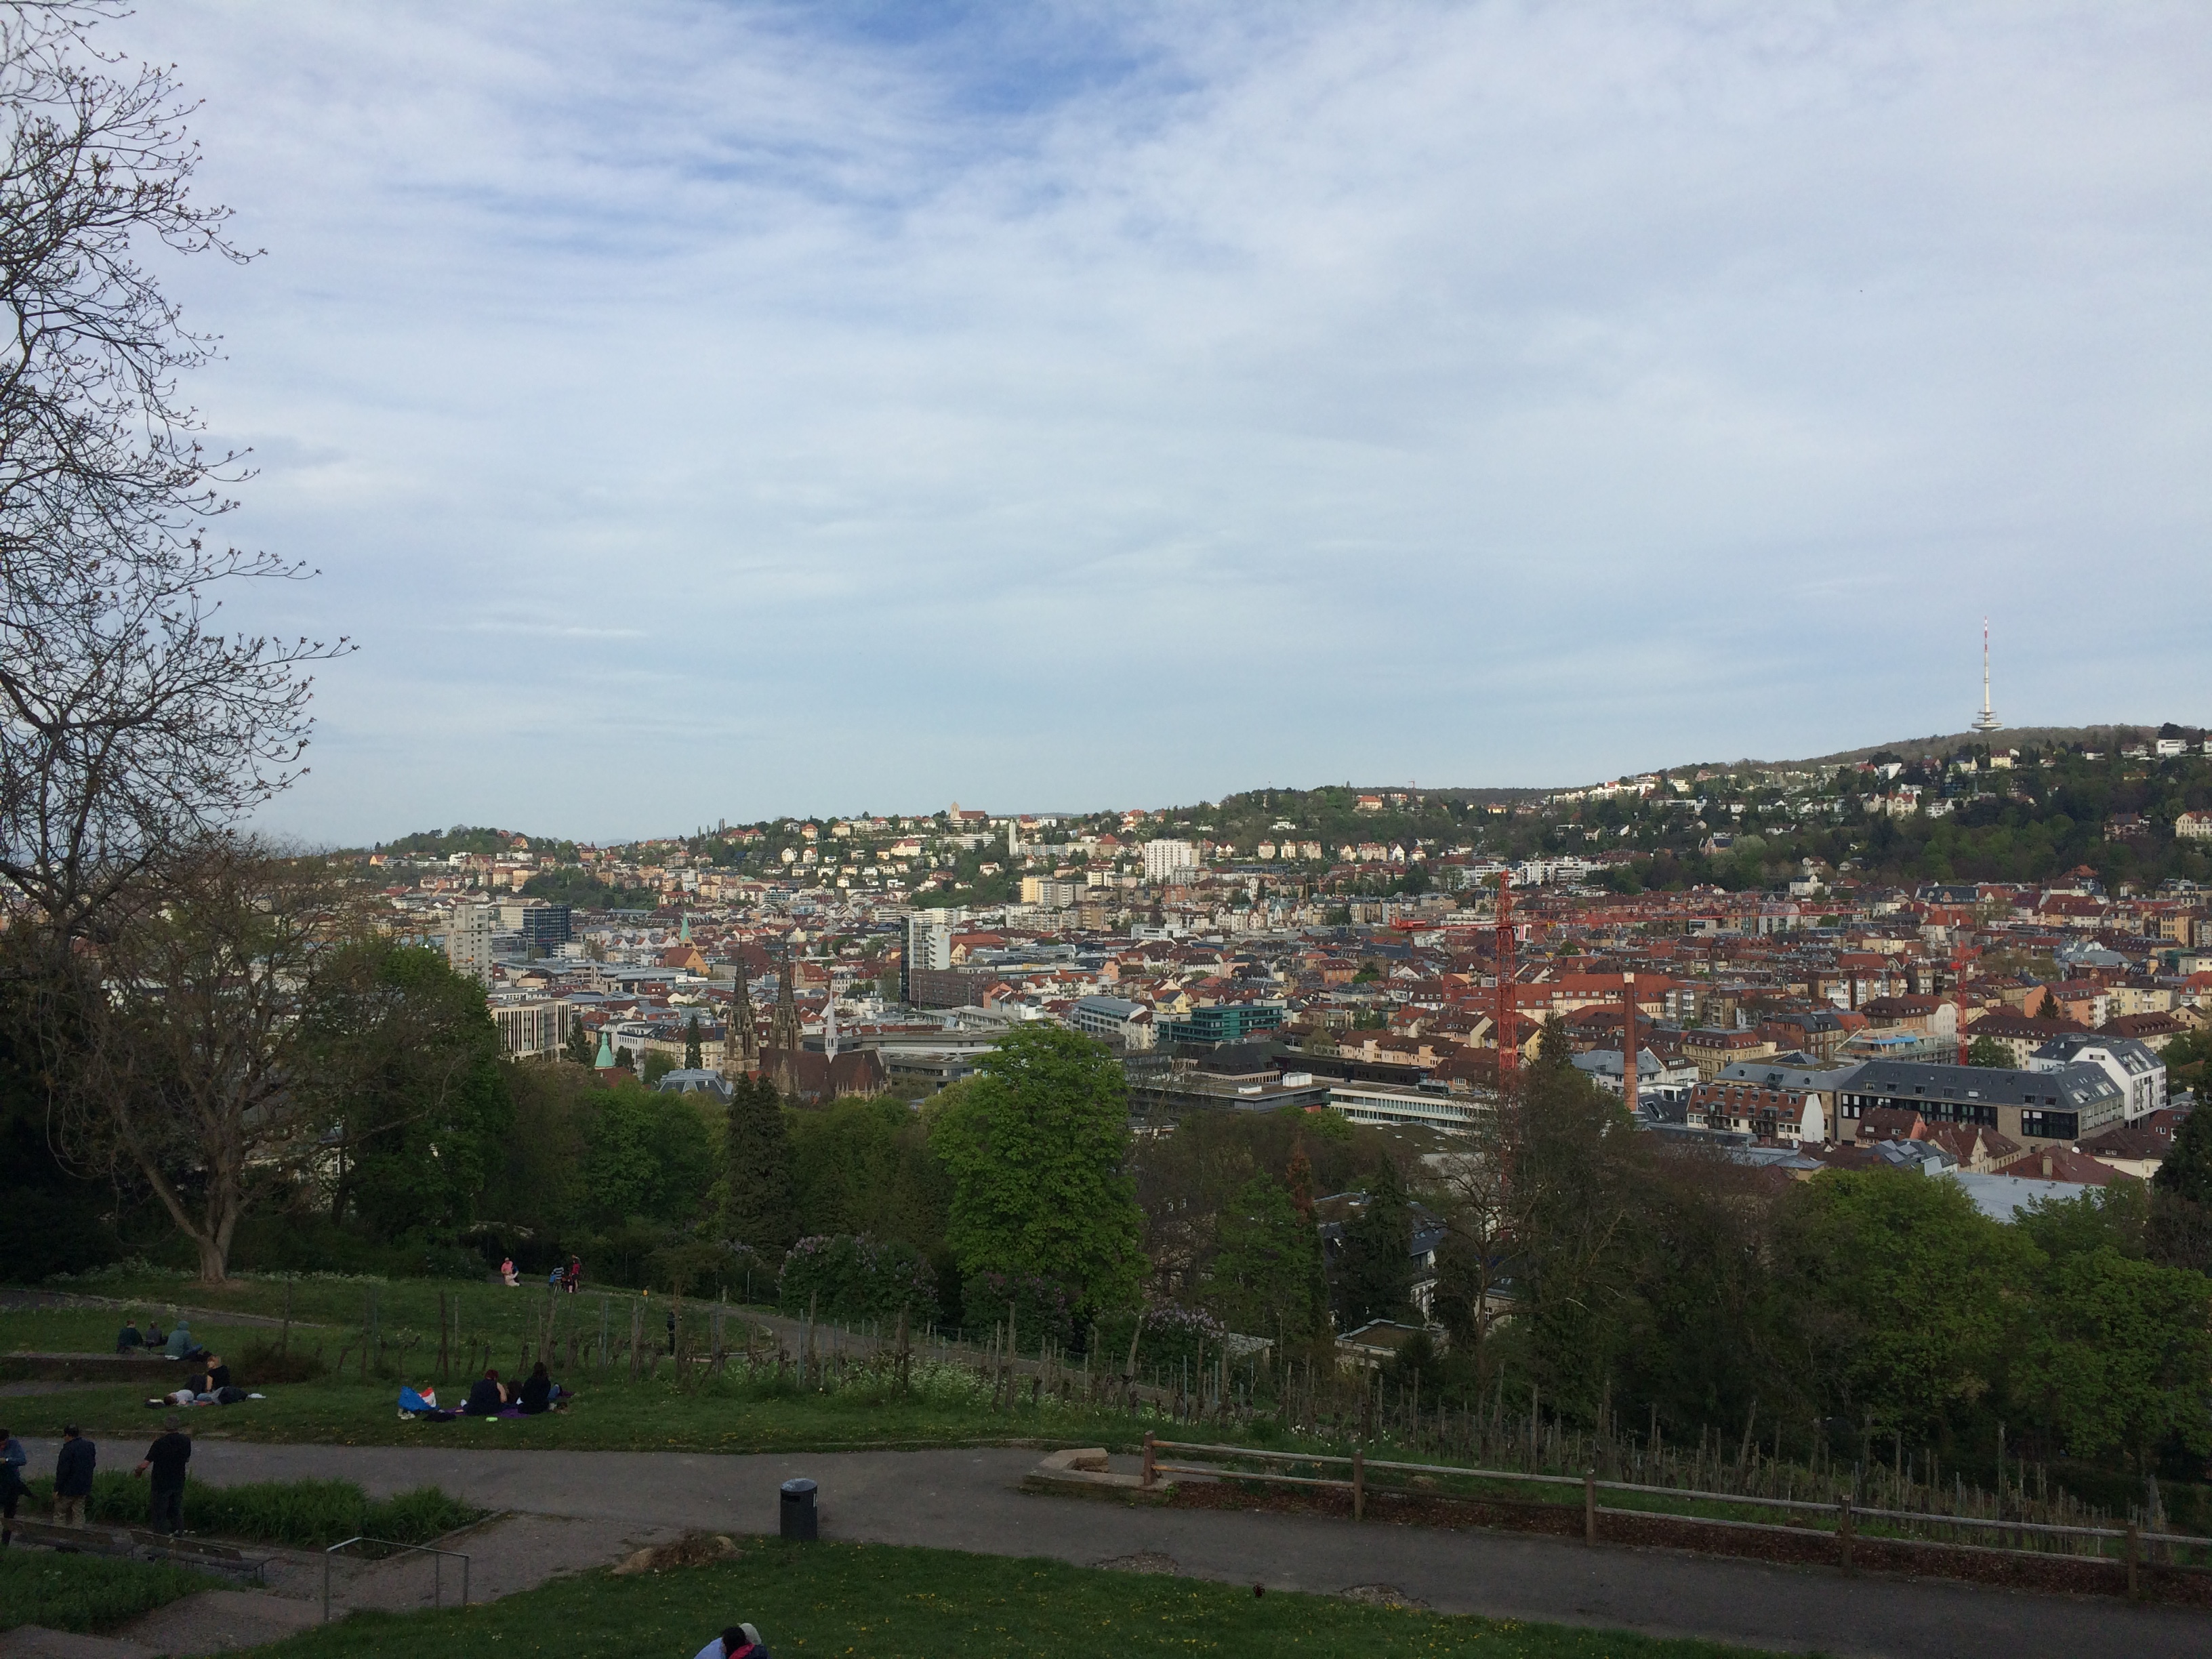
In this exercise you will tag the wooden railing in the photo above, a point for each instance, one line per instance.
(1844, 1516)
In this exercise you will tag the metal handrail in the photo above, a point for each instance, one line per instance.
(438, 1571)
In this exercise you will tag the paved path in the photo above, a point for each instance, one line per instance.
(968, 1500)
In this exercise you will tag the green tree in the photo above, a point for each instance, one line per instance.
(757, 1208)
(658, 1065)
(1375, 1274)
(579, 1047)
(1036, 1144)
(2119, 1357)
(649, 1157)
(403, 1055)
(692, 1060)
(1987, 1051)
(1910, 1298)
(2187, 1170)
(1261, 1279)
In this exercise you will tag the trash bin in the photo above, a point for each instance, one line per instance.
(799, 1511)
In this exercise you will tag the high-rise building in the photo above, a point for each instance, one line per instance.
(546, 927)
(928, 947)
(1169, 860)
(468, 941)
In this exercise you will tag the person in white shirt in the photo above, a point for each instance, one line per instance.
(739, 1642)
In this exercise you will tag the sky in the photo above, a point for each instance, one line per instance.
(704, 411)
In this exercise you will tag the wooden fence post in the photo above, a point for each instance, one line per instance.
(1359, 1483)
(2135, 1559)
(1844, 1533)
(1149, 1476)
(1590, 1506)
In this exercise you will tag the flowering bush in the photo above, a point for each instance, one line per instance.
(1043, 1310)
(850, 1278)
(1172, 1334)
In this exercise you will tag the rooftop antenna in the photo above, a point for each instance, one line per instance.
(1987, 719)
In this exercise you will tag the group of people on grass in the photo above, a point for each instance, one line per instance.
(178, 1343)
(73, 1466)
(569, 1278)
(489, 1396)
(536, 1393)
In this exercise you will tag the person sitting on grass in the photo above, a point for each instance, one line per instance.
(739, 1642)
(506, 1273)
(127, 1341)
(487, 1398)
(180, 1345)
(218, 1374)
(539, 1392)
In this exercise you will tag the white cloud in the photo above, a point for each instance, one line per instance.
(729, 410)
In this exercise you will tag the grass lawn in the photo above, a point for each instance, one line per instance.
(614, 1414)
(889, 1602)
(92, 1330)
(87, 1592)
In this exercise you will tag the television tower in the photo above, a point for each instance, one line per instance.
(1987, 719)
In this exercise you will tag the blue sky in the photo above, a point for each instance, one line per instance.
(711, 411)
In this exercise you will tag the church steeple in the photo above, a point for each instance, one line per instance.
(604, 1061)
(740, 1040)
(783, 1031)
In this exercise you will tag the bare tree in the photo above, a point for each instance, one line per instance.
(174, 1046)
(128, 721)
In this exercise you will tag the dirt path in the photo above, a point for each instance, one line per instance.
(968, 1500)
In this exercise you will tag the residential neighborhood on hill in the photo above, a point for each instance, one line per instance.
(1978, 959)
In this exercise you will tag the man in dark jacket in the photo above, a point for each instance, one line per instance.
(73, 1477)
(128, 1341)
(166, 1457)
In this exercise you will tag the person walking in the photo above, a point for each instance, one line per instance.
(12, 1459)
(167, 1458)
(73, 1477)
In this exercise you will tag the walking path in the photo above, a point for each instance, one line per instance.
(969, 1499)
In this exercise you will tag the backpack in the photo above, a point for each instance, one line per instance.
(229, 1395)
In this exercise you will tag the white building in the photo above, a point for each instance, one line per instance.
(468, 941)
(2134, 1066)
(1386, 1103)
(1169, 860)
(1114, 1018)
(532, 1025)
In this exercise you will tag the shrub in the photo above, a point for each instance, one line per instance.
(848, 1277)
(1043, 1310)
(1172, 1334)
(306, 1514)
